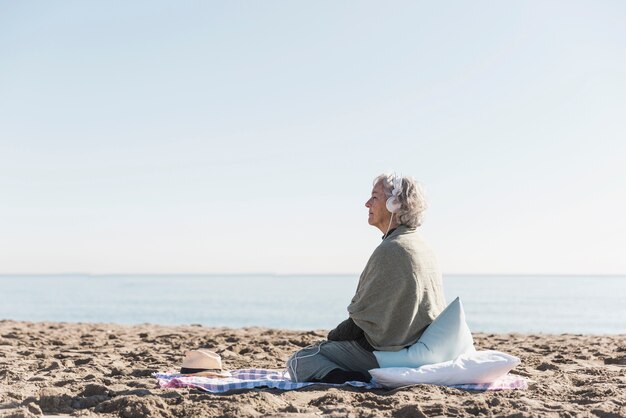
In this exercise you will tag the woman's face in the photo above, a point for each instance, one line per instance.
(378, 215)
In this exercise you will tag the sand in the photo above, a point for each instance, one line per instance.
(105, 370)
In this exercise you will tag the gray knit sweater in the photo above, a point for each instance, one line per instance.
(399, 292)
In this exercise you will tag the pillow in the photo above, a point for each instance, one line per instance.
(445, 339)
(477, 367)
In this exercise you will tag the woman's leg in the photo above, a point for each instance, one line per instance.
(350, 356)
(309, 364)
(314, 363)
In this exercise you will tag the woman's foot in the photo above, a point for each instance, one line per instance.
(338, 376)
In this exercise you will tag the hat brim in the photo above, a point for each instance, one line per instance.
(204, 373)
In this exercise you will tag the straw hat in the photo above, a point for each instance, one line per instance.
(203, 363)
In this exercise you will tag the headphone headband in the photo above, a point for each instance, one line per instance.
(397, 185)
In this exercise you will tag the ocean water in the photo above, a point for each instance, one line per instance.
(529, 304)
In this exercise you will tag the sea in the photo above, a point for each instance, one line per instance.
(492, 303)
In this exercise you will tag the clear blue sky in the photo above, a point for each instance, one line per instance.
(203, 136)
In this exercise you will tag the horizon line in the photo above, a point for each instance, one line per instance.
(299, 274)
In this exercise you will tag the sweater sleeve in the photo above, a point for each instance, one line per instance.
(346, 331)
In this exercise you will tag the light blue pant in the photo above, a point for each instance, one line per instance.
(316, 361)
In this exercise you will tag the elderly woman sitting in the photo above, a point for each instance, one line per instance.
(399, 292)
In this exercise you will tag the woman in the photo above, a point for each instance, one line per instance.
(399, 292)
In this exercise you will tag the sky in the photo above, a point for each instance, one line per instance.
(243, 136)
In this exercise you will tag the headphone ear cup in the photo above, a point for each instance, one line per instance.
(393, 205)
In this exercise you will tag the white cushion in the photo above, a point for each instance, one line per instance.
(445, 339)
(476, 367)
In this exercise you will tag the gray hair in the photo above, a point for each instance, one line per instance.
(412, 199)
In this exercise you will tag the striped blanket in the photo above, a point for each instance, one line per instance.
(279, 379)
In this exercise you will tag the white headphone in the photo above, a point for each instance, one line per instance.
(393, 203)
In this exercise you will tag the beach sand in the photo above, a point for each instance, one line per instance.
(105, 370)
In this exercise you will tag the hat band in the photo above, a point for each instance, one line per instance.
(186, 370)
